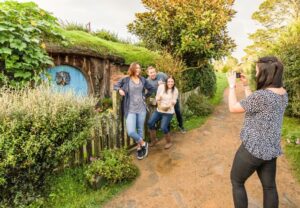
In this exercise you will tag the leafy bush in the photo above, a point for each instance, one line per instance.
(38, 131)
(288, 49)
(114, 166)
(199, 105)
(203, 77)
(24, 29)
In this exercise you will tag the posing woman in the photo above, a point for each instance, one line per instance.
(261, 132)
(132, 88)
(166, 98)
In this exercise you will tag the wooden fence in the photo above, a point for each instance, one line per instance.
(110, 131)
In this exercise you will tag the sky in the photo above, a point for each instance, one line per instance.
(115, 15)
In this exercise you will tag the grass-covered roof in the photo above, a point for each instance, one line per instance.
(82, 41)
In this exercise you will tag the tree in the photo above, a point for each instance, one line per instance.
(274, 16)
(192, 30)
(277, 13)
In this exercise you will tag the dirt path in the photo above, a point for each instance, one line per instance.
(195, 171)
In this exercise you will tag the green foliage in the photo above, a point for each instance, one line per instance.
(224, 66)
(129, 52)
(280, 37)
(203, 77)
(73, 26)
(190, 120)
(221, 86)
(69, 186)
(39, 129)
(274, 16)
(114, 166)
(24, 27)
(199, 105)
(291, 131)
(288, 49)
(277, 13)
(103, 104)
(186, 29)
(107, 35)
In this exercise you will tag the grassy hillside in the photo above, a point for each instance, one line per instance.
(129, 52)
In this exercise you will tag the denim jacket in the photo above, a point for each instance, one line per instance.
(124, 85)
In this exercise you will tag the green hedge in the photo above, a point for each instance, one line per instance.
(287, 48)
(203, 77)
(38, 131)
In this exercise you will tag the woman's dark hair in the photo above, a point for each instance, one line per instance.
(166, 84)
(270, 71)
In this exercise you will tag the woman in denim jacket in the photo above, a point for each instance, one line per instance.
(132, 89)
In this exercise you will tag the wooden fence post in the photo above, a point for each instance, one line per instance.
(118, 118)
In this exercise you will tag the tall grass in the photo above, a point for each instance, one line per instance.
(290, 132)
(39, 128)
(41, 100)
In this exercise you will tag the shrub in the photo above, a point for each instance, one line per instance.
(38, 131)
(114, 166)
(199, 105)
(203, 77)
(24, 30)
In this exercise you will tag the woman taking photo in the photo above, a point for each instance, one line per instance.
(166, 98)
(261, 131)
(132, 88)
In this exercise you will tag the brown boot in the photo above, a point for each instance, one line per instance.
(153, 138)
(168, 141)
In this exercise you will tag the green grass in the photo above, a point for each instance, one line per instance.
(69, 190)
(291, 131)
(221, 85)
(196, 122)
(129, 52)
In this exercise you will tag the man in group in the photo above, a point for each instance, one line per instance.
(155, 79)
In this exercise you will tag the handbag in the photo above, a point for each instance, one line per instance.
(163, 107)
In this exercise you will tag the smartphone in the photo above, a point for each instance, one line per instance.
(238, 75)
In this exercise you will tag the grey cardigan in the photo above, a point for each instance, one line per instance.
(124, 85)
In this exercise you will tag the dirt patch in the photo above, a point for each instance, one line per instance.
(194, 173)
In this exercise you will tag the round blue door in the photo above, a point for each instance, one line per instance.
(66, 78)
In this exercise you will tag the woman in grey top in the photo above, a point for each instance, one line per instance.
(261, 131)
(132, 88)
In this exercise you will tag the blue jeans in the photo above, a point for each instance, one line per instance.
(178, 114)
(165, 121)
(135, 125)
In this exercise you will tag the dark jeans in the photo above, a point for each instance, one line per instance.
(178, 114)
(165, 121)
(244, 165)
